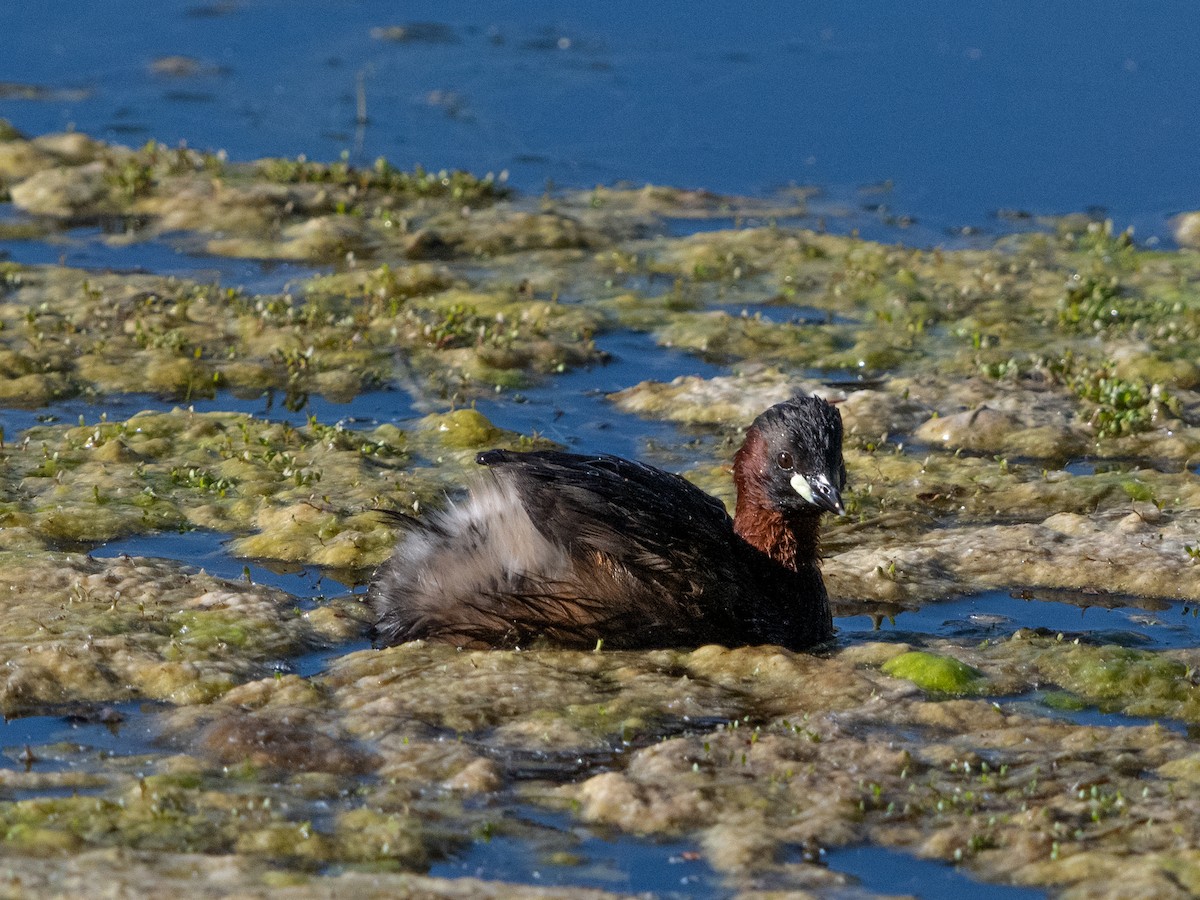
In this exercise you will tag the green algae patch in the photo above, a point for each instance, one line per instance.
(722, 400)
(452, 439)
(367, 835)
(158, 813)
(297, 209)
(463, 429)
(382, 176)
(720, 336)
(316, 533)
(1065, 551)
(1063, 700)
(309, 494)
(789, 747)
(65, 332)
(504, 338)
(1135, 682)
(1185, 769)
(187, 873)
(209, 632)
(934, 673)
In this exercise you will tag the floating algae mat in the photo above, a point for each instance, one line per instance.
(197, 446)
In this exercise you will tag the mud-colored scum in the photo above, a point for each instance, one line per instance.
(1022, 415)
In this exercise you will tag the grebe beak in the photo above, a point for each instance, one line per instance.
(819, 492)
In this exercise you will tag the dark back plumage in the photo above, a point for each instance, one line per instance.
(579, 549)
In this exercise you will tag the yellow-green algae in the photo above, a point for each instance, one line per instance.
(934, 673)
(988, 375)
(309, 493)
(77, 629)
(65, 332)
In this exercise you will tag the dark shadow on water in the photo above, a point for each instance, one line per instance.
(891, 872)
(1099, 619)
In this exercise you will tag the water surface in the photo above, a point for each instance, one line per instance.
(951, 111)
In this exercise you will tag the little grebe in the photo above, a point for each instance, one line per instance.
(581, 549)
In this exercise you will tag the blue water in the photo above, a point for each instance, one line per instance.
(87, 248)
(951, 110)
(317, 661)
(364, 411)
(1038, 703)
(120, 729)
(524, 851)
(891, 872)
(997, 614)
(207, 550)
(537, 846)
(571, 408)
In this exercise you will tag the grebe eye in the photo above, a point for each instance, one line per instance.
(785, 460)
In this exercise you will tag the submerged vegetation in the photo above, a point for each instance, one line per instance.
(1021, 415)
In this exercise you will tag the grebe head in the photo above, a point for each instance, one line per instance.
(793, 456)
